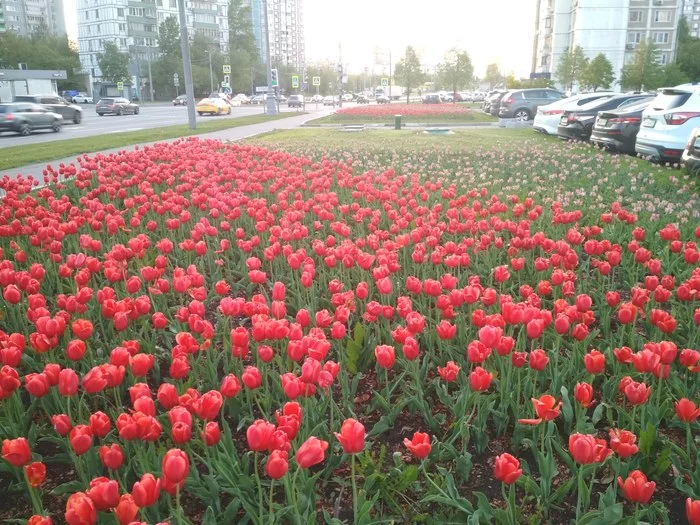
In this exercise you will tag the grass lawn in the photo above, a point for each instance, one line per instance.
(16, 156)
(385, 115)
(509, 162)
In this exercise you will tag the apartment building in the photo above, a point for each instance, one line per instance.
(691, 11)
(285, 24)
(28, 16)
(611, 27)
(133, 26)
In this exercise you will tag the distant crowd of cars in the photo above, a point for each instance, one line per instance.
(443, 97)
(662, 126)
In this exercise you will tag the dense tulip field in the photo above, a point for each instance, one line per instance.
(214, 333)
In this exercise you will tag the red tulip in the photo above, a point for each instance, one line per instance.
(686, 410)
(507, 469)
(623, 443)
(208, 405)
(61, 424)
(111, 456)
(146, 491)
(692, 511)
(68, 382)
(259, 434)
(351, 436)
(480, 379)
(546, 408)
(167, 395)
(594, 362)
(176, 465)
(100, 424)
(82, 328)
(127, 510)
(538, 359)
(637, 393)
(277, 464)
(449, 372)
(80, 439)
(252, 378)
(211, 433)
(16, 452)
(37, 384)
(419, 445)
(80, 510)
(636, 488)
(39, 520)
(36, 473)
(586, 449)
(181, 432)
(104, 493)
(584, 394)
(385, 355)
(311, 452)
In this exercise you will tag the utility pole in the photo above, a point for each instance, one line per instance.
(390, 75)
(340, 77)
(211, 74)
(187, 66)
(270, 101)
(150, 77)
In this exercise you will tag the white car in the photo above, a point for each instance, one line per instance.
(548, 117)
(317, 98)
(668, 122)
(347, 97)
(330, 101)
(82, 98)
(242, 98)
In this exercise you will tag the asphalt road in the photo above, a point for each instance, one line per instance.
(151, 116)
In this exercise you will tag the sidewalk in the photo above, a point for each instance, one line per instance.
(239, 133)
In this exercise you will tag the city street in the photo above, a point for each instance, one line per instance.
(151, 116)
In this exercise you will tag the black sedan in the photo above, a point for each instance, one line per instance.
(691, 155)
(578, 123)
(617, 130)
(116, 106)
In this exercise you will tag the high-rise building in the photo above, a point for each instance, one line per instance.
(28, 16)
(611, 27)
(285, 21)
(133, 26)
(691, 11)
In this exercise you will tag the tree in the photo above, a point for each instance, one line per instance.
(688, 56)
(512, 83)
(598, 73)
(243, 53)
(113, 63)
(169, 38)
(674, 75)
(643, 72)
(408, 71)
(570, 66)
(456, 70)
(493, 75)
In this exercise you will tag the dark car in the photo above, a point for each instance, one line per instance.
(495, 103)
(383, 99)
(180, 101)
(691, 155)
(578, 123)
(492, 95)
(55, 104)
(432, 98)
(295, 101)
(361, 99)
(116, 106)
(616, 130)
(25, 117)
(522, 104)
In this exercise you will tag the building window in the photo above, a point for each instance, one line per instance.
(122, 27)
(634, 37)
(547, 23)
(662, 15)
(696, 17)
(545, 60)
(637, 16)
(97, 14)
(662, 58)
(659, 37)
(120, 12)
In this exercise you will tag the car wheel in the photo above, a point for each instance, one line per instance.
(200, 113)
(522, 115)
(136, 110)
(78, 117)
(56, 127)
(119, 112)
(101, 114)
(25, 129)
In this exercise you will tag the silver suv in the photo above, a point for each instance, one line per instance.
(522, 104)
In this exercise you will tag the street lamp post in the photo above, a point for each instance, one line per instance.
(186, 65)
(211, 74)
(271, 106)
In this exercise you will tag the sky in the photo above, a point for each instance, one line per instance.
(491, 32)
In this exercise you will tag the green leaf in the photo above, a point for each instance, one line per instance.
(209, 517)
(646, 439)
(68, 488)
(598, 413)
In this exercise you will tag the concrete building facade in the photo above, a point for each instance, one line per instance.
(28, 16)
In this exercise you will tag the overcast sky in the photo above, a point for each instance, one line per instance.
(491, 31)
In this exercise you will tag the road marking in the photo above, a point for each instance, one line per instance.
(124, 130)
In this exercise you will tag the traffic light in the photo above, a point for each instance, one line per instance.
(273, 76)
(306, 78)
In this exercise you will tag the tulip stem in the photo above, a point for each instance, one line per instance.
(271, 515)
(354, 489)
(177, 503)
(36, 502)
(581, 485)
(260, 493)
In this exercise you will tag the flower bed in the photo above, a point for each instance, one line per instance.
(214, 333)
(419, 113)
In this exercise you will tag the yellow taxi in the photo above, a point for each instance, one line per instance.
(213, 105)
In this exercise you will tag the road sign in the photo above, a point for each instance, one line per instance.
(224, 84)
(120, 86)
(317, 81)
(295, 81)
(261, 89)
(273, 74)
(227, 79)
(176, 81)
(385, 82)
(227, 69)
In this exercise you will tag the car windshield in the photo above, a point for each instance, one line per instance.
(24, 98)
(4, 109)
(597, 103)
(107, 101)
(633, 108)
(669, 99)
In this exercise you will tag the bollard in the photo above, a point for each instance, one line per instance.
(397, 122)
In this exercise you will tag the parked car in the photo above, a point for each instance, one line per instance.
(258, 99)
(82, 98)
(213, 106)
(180, 101)
(548, 117)
(492, 95)
(432, 98)
(446, 97)
(362, 99)
(495, 103)
(691, 155)
(25, 117)
(578, 123)
(295, 101)
(347, 97)
(522, 104)
(55, 104)
(330, 100)
(116, 106)
(242, 98)
(383, 99)
(317, 98)
(616, 130)
(668, 122)
(281, 99)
